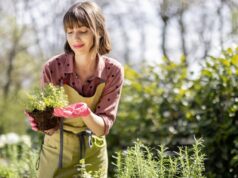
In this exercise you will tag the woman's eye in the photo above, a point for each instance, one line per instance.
(69, 32)
(84, 31)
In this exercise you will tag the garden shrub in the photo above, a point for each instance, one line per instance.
(167, 104)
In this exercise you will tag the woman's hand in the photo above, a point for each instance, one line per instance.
(31, 121)
(34, 125)
(73, 111)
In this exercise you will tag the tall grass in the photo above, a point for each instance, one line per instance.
(140, 162)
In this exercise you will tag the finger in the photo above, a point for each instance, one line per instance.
(33, 124)
(71, 109)
(79, 111)
(58, 112)
(35, 128)
(67, 113)
(79, 105)
(26, 113)
(31, 119)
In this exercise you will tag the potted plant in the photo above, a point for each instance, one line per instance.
(40, 105)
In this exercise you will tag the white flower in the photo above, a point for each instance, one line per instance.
(173, 130)
(12, 138)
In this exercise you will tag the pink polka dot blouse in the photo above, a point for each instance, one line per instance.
(60, 70)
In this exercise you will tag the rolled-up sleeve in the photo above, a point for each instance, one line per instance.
(108, 104)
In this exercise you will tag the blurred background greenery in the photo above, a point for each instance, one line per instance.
(181, 67)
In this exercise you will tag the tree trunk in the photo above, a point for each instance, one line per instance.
(164, 35)
(221, 22)
(182, 34)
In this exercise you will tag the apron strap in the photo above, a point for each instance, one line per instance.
(38, 159)
(81, 135)
(60, 163)
(61, 125)
(82, 148)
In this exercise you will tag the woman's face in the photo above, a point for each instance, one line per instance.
(80, 39)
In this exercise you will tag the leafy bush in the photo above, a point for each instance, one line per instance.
(49, 97)
(216, 106)
(167, 104)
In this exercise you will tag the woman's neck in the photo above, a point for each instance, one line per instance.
(85, 65)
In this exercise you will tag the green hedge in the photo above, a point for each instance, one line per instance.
(167, 104)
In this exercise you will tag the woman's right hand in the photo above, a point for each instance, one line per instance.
(34, 125)
(31, 121)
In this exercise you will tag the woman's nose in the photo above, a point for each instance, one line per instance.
(77, 36)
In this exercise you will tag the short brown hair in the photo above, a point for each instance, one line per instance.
(90, 15)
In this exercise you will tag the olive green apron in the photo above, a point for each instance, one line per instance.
(95, 158)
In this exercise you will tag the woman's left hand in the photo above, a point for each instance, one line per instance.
(73, 111)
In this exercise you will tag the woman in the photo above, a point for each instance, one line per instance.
(93, 83)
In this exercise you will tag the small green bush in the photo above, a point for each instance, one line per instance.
(49, 97)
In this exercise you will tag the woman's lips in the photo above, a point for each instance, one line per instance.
(78, 45)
